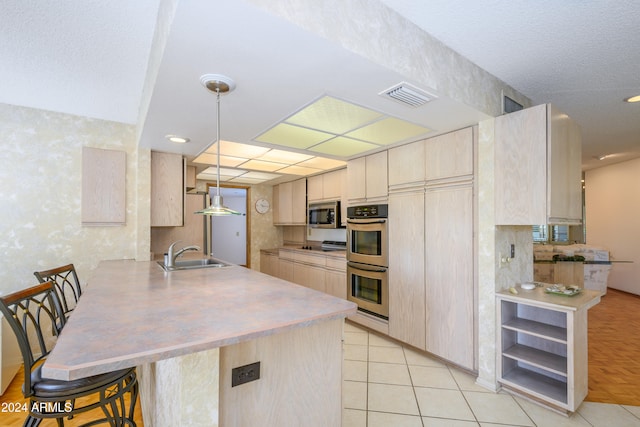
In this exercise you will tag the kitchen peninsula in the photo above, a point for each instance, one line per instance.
(186, 330)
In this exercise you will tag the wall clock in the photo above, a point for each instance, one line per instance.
(262, 206)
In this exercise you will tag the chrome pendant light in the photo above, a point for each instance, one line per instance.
(219, 84)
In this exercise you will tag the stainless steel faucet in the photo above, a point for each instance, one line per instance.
(172, 254)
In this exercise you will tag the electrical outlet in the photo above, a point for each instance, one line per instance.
(245, 374)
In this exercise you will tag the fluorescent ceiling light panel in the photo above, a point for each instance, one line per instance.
(322, 163)
(298, 170)
(333, 115)
(293, 136)
(243, 180)
(261, 165)
(343, 147)
(388, 131)
(235, 149)
(281, 156)
(260, 175)
(211, 159)
(224, 171)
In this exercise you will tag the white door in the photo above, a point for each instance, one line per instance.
(229, 233)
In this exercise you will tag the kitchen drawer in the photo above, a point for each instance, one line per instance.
(310, 258)
(337, 263)
(286, 254)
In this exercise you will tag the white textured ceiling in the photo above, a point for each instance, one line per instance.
(89, 57)
(82, 57)
(583, 56)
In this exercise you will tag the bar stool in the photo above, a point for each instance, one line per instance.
(67, 286)
(35, 316)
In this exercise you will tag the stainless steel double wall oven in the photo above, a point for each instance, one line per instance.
(367, 259)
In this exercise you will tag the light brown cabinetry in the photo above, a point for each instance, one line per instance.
(190, 178)
(431, 257)
(336, 277)
(193, 232)
(407, 301)
(407, 165)
(285, 269)
(313, 269)
(367, 178)
(450, 155)
(542, 345)
(269, 261)
(537, 168)
(291, 203)
(449, 269)
(310, 276)
(326, 186)
(315, 186)
(103, 186)
(167, 190)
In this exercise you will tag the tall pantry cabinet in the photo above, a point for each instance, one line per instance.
(431, 242)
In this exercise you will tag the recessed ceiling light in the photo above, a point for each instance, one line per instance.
(177, 139)
(633, 99)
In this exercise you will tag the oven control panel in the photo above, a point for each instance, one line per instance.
(367, 211)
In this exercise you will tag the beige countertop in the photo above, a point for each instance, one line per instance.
(133, 313)
(584, 300)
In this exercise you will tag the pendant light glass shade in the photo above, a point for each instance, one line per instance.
(217, 83)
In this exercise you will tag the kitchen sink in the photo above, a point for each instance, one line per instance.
(191, 264)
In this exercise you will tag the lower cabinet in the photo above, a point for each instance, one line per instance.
(309, 276)
(285, 269)
(542, 346)
(315, 270)
(269, 261)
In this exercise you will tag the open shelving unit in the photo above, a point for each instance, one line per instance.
(543, 346)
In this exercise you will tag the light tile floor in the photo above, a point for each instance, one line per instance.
(388, 385)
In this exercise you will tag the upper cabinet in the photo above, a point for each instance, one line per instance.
(537, 168)
(291, 203)
(445, 157)
(167, 190)
(326, 187)
(367, 178)
(103, 186)
(450, 155)
(329, 186)
(190, 179)
(407, 165)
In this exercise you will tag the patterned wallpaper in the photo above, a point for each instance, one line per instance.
(40, 172)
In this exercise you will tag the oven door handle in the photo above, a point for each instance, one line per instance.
(367, 221)
(363, 267)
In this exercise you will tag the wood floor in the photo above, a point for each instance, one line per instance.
(614, 349)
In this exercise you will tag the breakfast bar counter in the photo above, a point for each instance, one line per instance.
(186, 330)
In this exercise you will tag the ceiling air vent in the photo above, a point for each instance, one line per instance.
(408, 95)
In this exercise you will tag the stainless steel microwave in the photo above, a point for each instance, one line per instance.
(324, 215)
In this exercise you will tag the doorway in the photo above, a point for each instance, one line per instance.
(229, 237)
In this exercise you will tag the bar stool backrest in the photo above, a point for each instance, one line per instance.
(67, 285)
(36, 318)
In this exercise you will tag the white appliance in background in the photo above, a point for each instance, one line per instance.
(227, 236)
